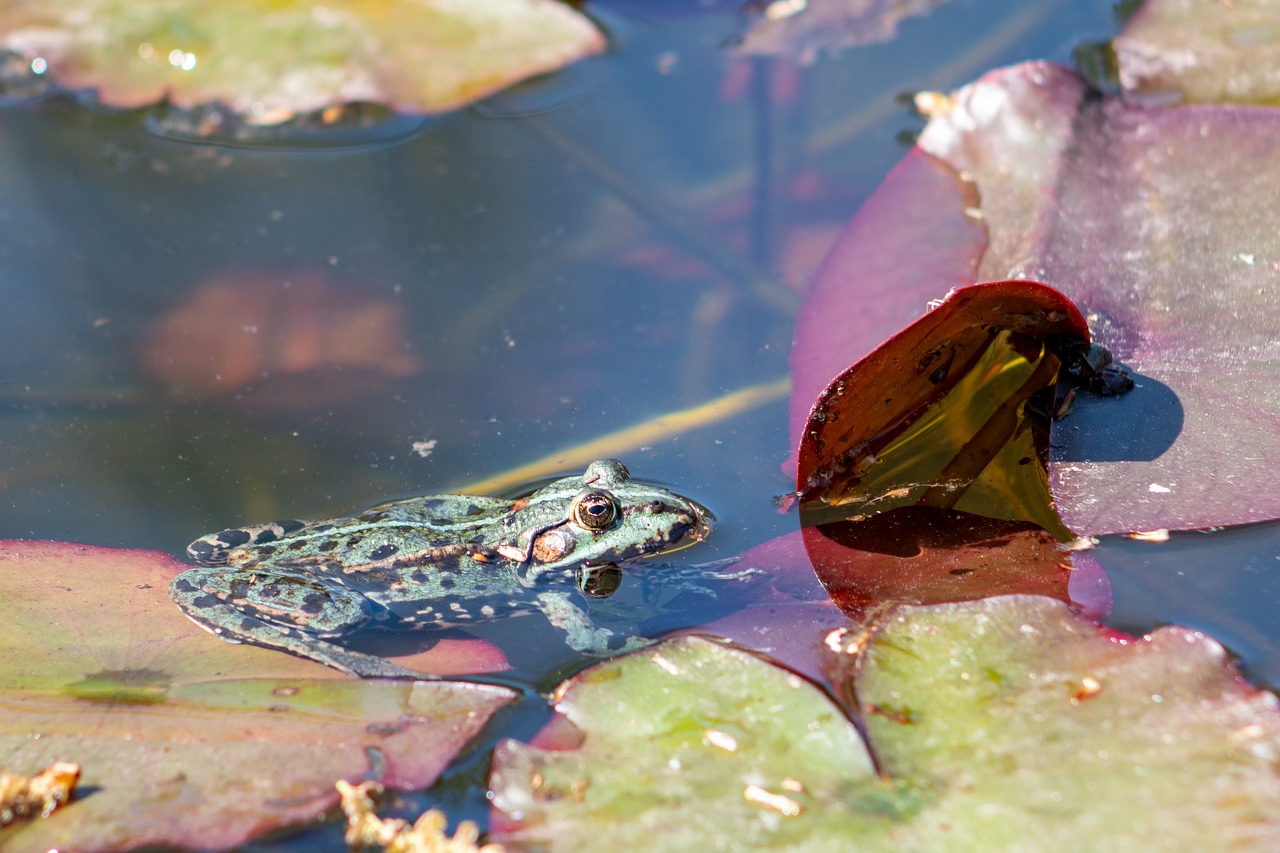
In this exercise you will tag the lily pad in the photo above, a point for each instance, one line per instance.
(1202, 51)
(184, 740)
(1018, 720)
(941, 413)
(268, 63)
(1161, 226)
(997, 725)
(691, 746)
(1158, 224)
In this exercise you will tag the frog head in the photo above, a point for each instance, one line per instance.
(603, 516)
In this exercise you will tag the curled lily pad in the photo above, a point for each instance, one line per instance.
(271, 62)
(183, 740)
(1158, 224)
(996, 725)
(862, 296)
(942, 414)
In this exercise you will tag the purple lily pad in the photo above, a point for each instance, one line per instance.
(1201, 51)
(183, 740)
(1160, 225)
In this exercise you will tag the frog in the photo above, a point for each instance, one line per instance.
(436, 561)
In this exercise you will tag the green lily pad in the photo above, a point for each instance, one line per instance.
(693, 745)
(1003, 724)
(184, 740)
(268, 62)
(1022, 723)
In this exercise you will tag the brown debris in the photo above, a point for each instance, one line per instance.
(365, 830)
(26, 797)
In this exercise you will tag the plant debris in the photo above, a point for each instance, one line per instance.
(43, 794)
(366, 830)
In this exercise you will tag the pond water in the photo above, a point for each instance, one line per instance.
(510, 282)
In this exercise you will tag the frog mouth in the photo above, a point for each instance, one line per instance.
(697, 529)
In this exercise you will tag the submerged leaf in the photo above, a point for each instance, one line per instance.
(184, 740)
(279, 338)
(924, 555)
(270, 62)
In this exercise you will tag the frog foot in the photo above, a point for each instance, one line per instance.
(203, 606)
(581, 634)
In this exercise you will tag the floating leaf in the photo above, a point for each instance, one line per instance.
(801, 29)
(998, 724)
(1202, 51)
(270, 62)
(1161, 225)
(1017, 720)
(691, 746)
(1158, 224)
(184, 740)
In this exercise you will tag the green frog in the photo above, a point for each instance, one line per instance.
(433, 562)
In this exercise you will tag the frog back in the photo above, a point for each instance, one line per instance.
(411, 523)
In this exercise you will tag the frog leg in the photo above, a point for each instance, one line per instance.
(581, 634)
(254, 607)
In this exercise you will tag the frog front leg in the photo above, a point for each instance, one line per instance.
(280, 610)
(581, 634)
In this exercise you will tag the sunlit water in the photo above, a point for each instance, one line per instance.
(562, 261)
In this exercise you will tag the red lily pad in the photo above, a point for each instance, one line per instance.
(939, 415)
(270, 63)
(1201, 51)
(184, 740)
(1160, 226)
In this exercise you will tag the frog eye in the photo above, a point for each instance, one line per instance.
(595, 510)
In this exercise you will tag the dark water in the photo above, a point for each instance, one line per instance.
(566, 259)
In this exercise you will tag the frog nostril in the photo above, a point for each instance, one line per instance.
(655, 506)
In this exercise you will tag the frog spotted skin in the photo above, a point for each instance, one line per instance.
(434, 562)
